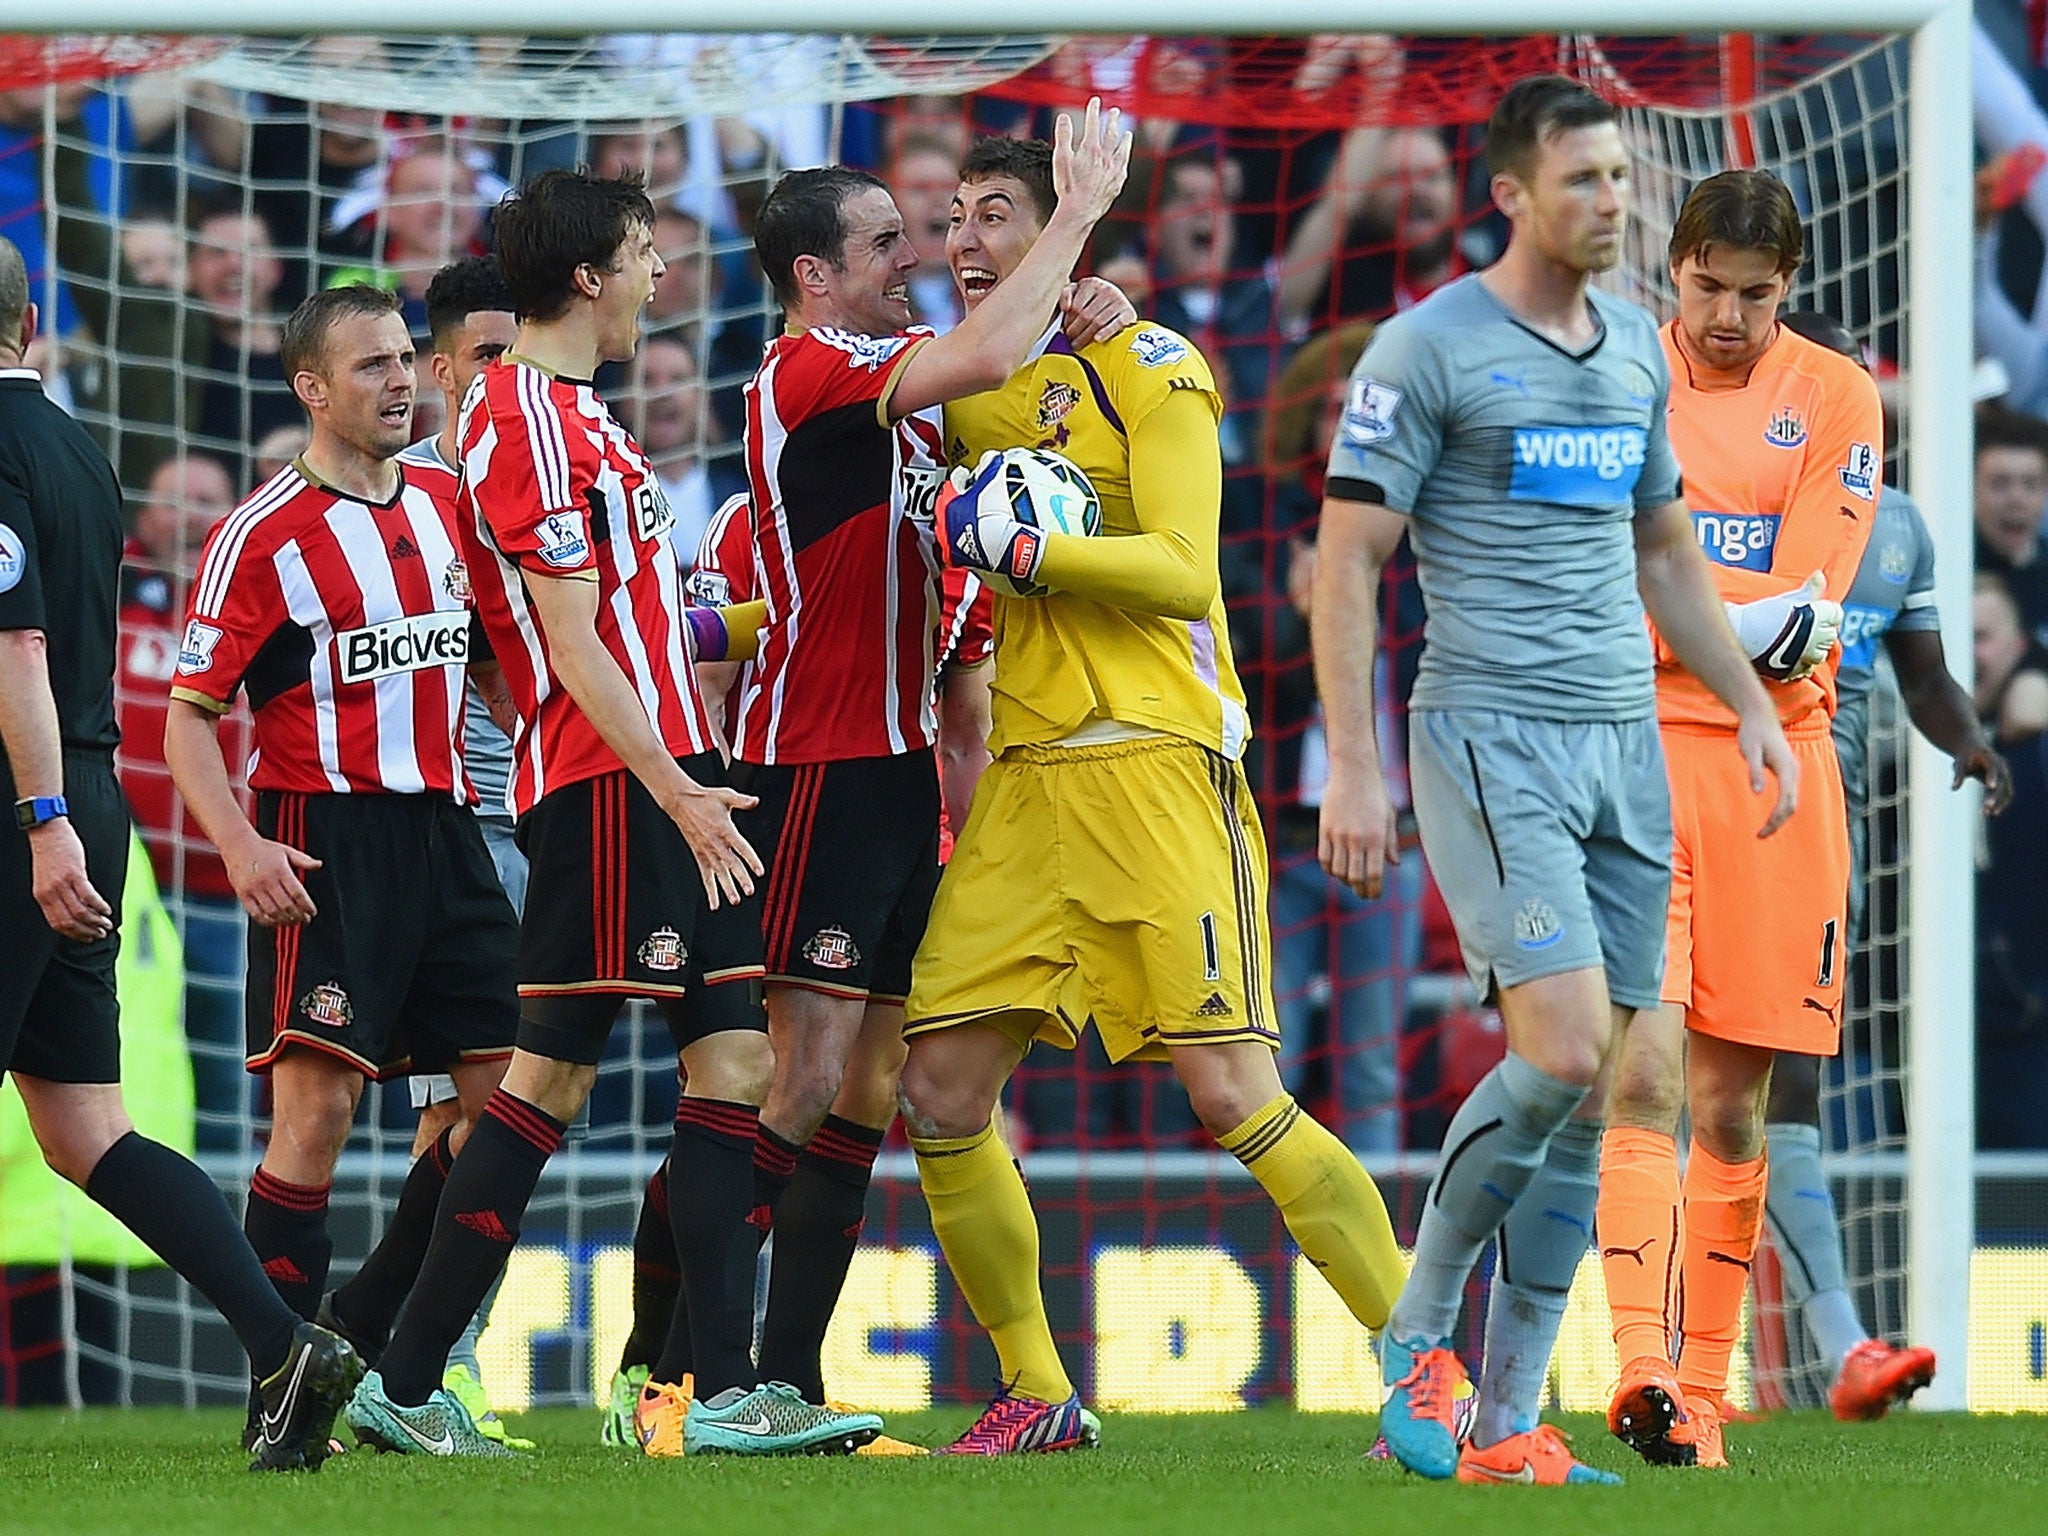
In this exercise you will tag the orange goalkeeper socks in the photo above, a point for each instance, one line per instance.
(1637, 1220)
(1724, 1216)
(983, 1220)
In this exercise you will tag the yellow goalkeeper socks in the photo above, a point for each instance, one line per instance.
(983, 1220)
(1329, 1202)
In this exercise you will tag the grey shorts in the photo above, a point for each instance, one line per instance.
(1551, 843)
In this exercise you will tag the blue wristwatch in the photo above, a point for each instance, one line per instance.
(30, 814)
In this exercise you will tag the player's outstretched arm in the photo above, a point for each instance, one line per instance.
(35, 759)
(703, 813)
(1358, 836)
(265, 873)
(993, 342)
(1678, 593)
(1942, 712)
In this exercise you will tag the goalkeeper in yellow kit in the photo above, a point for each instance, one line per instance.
(1112, 867)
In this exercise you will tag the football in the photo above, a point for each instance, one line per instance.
(1045, 490)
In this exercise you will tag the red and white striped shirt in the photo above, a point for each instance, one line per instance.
(348, 624)
(844, 549)
(553, 488)
(967, 619)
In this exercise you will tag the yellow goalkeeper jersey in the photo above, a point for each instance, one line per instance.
(1133, 629)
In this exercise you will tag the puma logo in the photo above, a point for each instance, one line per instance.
(1635, 1253)
(1823, 1008)
(1727, 1258)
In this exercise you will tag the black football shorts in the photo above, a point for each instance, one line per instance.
(852, 850)
(409, 965)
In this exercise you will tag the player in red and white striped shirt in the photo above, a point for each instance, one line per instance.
(845, 458)
(336, 598)
(638, 876)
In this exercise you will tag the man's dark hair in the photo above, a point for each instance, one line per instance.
(202, 210)
(805, 215)
(1998, 427)
(1743, 210)
(557, 222)
(1823, 329)
(1536, 109)
(1027, 161)
(14, 299)
(302, 345)
(461, 289)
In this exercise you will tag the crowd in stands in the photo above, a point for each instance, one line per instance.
(188, 221)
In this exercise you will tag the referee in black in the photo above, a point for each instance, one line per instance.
(63, 861)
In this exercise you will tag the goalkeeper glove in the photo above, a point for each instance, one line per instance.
(1789, 635)
(982, 530)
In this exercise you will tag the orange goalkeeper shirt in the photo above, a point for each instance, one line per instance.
(1782, 467)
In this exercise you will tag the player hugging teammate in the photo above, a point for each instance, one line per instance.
(1111, 871)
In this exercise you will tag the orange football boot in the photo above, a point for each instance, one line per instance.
(1541, 1456)
(1875, 1376)
(1646, 1407)
(658, 1417)
(1700, 1432)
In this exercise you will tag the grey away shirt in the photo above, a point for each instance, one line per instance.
(1522, 469)
(1893, 589)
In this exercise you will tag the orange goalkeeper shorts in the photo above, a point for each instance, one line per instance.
(1756, 935)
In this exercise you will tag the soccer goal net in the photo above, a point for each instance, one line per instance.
(175, 197)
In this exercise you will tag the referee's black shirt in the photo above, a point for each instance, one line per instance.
(60, 555)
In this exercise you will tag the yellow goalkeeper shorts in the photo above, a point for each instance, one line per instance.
(1123, 884)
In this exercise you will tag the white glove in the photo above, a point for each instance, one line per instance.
(1787, 636)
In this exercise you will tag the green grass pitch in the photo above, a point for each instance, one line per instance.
(163, 1471)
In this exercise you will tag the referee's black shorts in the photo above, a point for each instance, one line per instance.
(615, 908)
(409, 966)
(852, 850)
(59, 1017)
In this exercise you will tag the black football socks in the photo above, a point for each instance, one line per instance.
(166, 1200)
(486, 1195)
(817, 1228)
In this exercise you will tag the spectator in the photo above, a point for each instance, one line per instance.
(2010, 499)
(302, 160)
(1327, 942)
(666, 409)
(655, 152)
(154, 249)
(2012, 887)
(277, 448)
(2009, 118)
(1244, 316)
(92, 118)
(689, 285)
(1402, 241)
(233, 273)
(431, 214)
(187, 496)
(726, 330)
(923, 177)
(2011, 665)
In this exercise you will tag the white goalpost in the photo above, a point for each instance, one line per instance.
(881, 50)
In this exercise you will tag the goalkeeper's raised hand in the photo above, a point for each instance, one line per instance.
(1788, 635)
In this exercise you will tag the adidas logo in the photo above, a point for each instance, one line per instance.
(1214, 1008)
(969, 546)
(405, 549)
(485, 1222)
(284, 1270)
